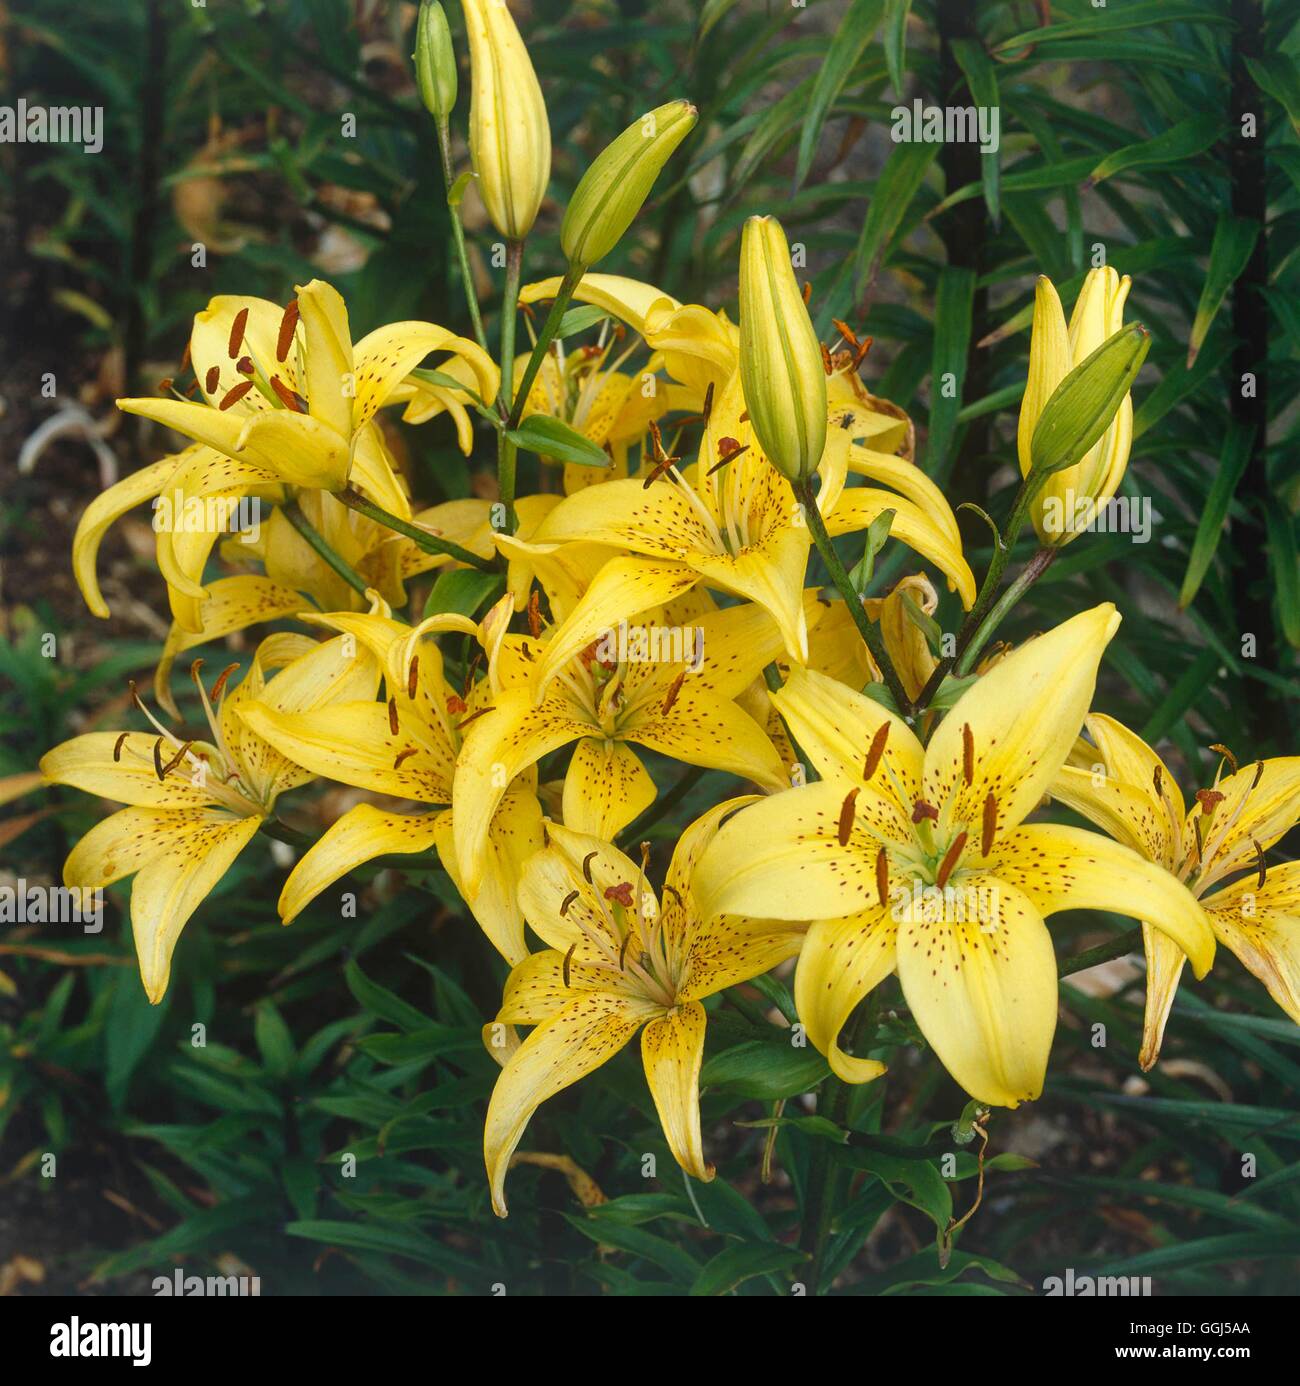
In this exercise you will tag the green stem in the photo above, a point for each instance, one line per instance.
(823, 1178)
(1026, 578)
(840, 577)
(1113, 948)
(293, 513)
(507, 452)
(421, 538)
(458, 231)
(572, 278)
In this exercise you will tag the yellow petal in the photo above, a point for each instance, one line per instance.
(210, 346)
(232, 604)
(841, 961)
(1049, 363)
(215, 428)
(102, 512)
(1271, 809)
(605, 788)
(498, 745)
(909, 481)
(1121, 810)
(836, 728)
(585, 1034)
(328, 356)
(360, 835)
(657, 520)
(298, 448)
(860, 505)
(1062, 868)
(86, 762)
(1261, 925)
(540, 986)
(125, 841)
(771, 574)
(1165, 961)
(627, 299)
(733, 948)
(514, 837)
(782, 857)
(167, 891)
(984, 994)
(1023, 717)
(386, 356)
(354, 744)
(672, 1049)
(622, 588)
(704, 730)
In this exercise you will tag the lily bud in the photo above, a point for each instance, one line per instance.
(509, 135)
(619, 181)
(435, 60)
(1078, 485)
(781, 365)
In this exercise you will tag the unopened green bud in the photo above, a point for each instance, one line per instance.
(619, 180)
(435, 60)
(782, 371)
(1082, 406)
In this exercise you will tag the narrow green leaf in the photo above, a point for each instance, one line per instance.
(736, 1264)
(953, 307)
(1234, 240)
(893, 194)
(381, 1002)
(464, 591)
(1232, 463)
(1174, 146)
(1278, 76)
(895, 41)
(549, 437)
(975, 62)
(846, 48)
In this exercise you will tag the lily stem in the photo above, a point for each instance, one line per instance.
(564, 296)
(507, 450)
(840, 577)
(1113, 948)
(293, 513)
(458, 231)
(421, 538)
(1025, 579)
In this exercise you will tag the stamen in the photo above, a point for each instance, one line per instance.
(671, 696)
(1200, 839)
(875, 751)
(456, 705)
(1209, 800)
(534, 614)
(622, 950)
(234, 395)
(185, 357)
(392, 716)
(1259, 775)
(861, 354)
(157, 759)
(847, 811)
(568, 959)
(285, 394)
(288, 323)
(806, 291)
(729, 454)
(1261, 863)
(586, 866)
(967, 753)
(117, 747)
(567, 901)
(244, 365)
(165, 384)
(675, 893)
(950, 860)
(177, 758)
(882, 877)
(620, 894)
(921, 811)
(708, 404)
(990, 824)
(473, 717)
(845, 331)
(219, 688)
(826, 359)
(1226, 754)
(1158, 781)
(405, 754)
(237, 332)
(212, 379)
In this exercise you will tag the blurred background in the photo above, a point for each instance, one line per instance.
(247, 147)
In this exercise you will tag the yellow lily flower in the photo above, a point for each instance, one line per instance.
(1121, 784)
(288, 395)
(615, 962)
(733, 523)
(405, 748)
(928, 849)
(193, 805)
(677, 699)
(1069, 497)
